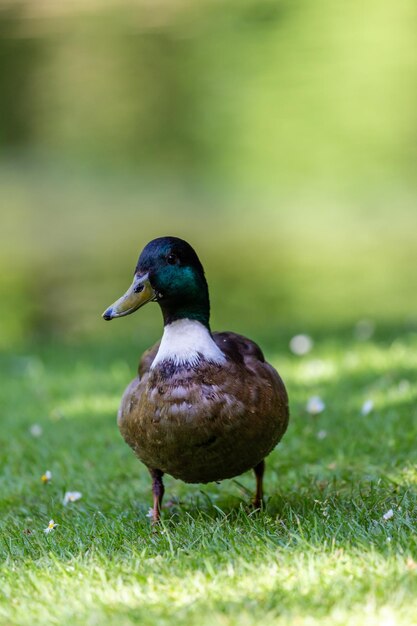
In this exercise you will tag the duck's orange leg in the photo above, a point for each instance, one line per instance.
(259, 473)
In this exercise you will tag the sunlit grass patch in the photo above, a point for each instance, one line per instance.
(188, 579)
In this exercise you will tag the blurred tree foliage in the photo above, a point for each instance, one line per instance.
(278, 136)
(273, 91)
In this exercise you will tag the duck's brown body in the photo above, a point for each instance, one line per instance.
(206, 422)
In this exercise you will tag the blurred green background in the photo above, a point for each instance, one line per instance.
(278, 137)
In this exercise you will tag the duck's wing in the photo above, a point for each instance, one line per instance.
(239, 348)
(134, 390)
(147, 359)
(263, 389)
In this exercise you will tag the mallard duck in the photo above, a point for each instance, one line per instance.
(205, 406)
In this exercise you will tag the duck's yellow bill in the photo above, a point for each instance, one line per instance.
(139, 293)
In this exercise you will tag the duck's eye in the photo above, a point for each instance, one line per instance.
(171, 259)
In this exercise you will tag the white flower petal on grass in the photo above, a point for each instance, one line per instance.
(367, 407)
(71, 496)
(51, 526)
(315, 405)
(47, 477)
(301, 344)
(36, 430)
(150, 512)
(388, 515)
(322, 434)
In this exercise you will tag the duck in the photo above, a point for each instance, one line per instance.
(205, 406)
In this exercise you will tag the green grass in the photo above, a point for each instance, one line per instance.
(320, 552)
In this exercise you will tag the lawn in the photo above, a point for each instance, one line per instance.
(335, 544)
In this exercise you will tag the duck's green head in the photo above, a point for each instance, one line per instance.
(168, 272)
